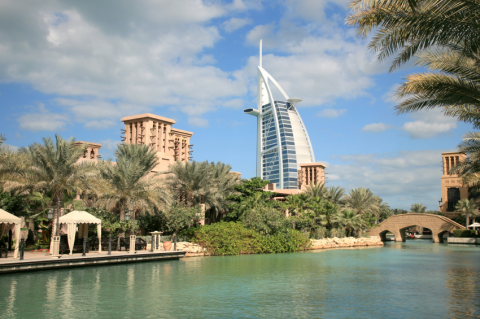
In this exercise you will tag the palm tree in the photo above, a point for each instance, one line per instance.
(454, 89)
(467, 207)
(222, 184)
(11, 161)
(250, 203)
(318, 206)
(297, 205)
(335, 195)
(316, 190)
(469, 170)
(188, 181)
(413, 26)
(418, 208)
(349, 220)
(53, 168)
(382, 210)
(362, 201)
(129, 182)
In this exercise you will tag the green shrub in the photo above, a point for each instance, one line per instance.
(234, 238)
(464, 233)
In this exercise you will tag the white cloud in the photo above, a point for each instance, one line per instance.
(420, 129)
(198, 109)
(107, 151)
(389, 96)
(197, 122)
(144, 53)
(100, 125)
(428, 124)
(109, 144)
(317, 63)
(400, 178)
(42, 121)
(236, 23)
(330, 113)
(312, 10)
(234, 104)
(376, 127)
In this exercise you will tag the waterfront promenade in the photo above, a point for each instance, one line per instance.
(43, 261)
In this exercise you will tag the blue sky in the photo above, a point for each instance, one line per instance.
(75, 68)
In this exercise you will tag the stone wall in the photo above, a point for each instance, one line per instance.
(345, 242)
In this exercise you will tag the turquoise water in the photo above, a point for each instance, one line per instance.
(416, 279)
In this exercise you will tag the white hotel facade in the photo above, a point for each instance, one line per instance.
(282, 139)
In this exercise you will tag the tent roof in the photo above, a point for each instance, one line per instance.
(8, 218)
(474, 225)
(79, 217)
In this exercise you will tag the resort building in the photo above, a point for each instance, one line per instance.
(282, 139)
(92, 153)
(171, 144)
(453, 188)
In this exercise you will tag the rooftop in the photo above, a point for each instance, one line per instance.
(147, 116)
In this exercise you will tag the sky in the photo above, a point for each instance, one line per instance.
(75, 68)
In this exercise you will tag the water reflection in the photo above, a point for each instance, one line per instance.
(403, 280)
(67, 307)
(51, 302)
(10, 300)
(462, 283)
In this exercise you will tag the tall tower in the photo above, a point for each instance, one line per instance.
(453, 188)
(171, 144)
(282, 139)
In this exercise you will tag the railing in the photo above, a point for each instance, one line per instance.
(148, 239)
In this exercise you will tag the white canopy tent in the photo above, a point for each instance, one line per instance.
(7, 218)
(83, 218)
(474, 225)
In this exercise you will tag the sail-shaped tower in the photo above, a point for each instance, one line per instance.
(282, 139)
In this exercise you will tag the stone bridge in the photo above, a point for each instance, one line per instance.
(397, 224)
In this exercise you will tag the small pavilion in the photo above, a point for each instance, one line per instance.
(7, 218)
(82, 219)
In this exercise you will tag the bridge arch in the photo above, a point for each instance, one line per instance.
(397, 224)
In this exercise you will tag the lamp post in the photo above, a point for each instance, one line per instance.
(57, 233)
(50, 213)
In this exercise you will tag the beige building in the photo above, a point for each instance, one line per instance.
(171, 144)
(452, 187)
(91, 153)
(308, 174)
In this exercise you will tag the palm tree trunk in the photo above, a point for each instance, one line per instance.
(55, 200)
(467, 221)
(121, 234)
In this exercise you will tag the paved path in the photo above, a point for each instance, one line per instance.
(45, 256)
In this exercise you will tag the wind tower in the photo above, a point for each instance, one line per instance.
(282, 139)
(171, 144)
(453, 188)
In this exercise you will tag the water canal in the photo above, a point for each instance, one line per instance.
(416, 279)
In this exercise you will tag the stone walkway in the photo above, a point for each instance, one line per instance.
(41, 256)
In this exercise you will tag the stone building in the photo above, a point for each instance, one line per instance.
(91, 153)
(308, 174)
(453, 188)
(171, 144)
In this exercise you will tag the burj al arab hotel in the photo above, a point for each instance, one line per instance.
(282, 139)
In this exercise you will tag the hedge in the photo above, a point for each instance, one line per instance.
(464, 233)
(234, 239)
